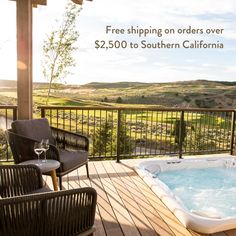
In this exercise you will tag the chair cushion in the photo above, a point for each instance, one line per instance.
(72, 159)
(37, 129)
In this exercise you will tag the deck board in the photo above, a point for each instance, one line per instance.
(148, 211)
(177, 228)
(139, 219)
(125, 204)
(117, 203)
(109, 220)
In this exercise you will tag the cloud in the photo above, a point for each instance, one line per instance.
(230, 69)
(123, 10)
(208, 65)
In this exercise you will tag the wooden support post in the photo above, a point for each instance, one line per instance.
(24, 58)
(14, 115)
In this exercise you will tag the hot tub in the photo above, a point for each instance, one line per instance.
(200, 192)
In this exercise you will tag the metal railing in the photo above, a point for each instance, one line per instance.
(7, 115)
(118, 132)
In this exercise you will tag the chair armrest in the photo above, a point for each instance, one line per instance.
(19, 180)
(69, 140)
(48, 213)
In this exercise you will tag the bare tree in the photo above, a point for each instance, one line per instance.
(59, 47)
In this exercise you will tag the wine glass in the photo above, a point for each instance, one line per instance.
(45, 147)
(38, 150)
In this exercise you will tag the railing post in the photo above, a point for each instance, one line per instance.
(118, 135)
(181, 134)
(232, 132)
(42, 112)
(14, 114)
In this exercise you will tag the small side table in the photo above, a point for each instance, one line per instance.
(48, 166)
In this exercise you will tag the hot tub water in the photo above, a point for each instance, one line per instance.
(210, 191)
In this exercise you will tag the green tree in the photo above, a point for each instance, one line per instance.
(119, 100)
(176, 131)
(126, 144)
(102, 139)
(59, 47)
(105, 139)
(105, 99)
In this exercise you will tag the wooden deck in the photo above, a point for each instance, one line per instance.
(126, 205)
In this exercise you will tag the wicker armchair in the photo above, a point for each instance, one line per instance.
(16, 180)
(70, 149)
(63, 213)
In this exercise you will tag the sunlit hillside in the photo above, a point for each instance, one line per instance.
(202, 94)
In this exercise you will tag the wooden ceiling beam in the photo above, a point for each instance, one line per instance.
(44, 2)
(80, 2)
(37, 2)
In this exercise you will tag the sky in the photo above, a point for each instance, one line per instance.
(133, 64)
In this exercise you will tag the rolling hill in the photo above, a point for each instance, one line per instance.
(200, 93)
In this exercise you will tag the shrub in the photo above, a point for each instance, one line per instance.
(119, 100)
(176, 131)
(3, 144)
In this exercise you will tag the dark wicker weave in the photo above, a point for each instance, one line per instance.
(18, 180)
(70, 149)
(63, 213)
